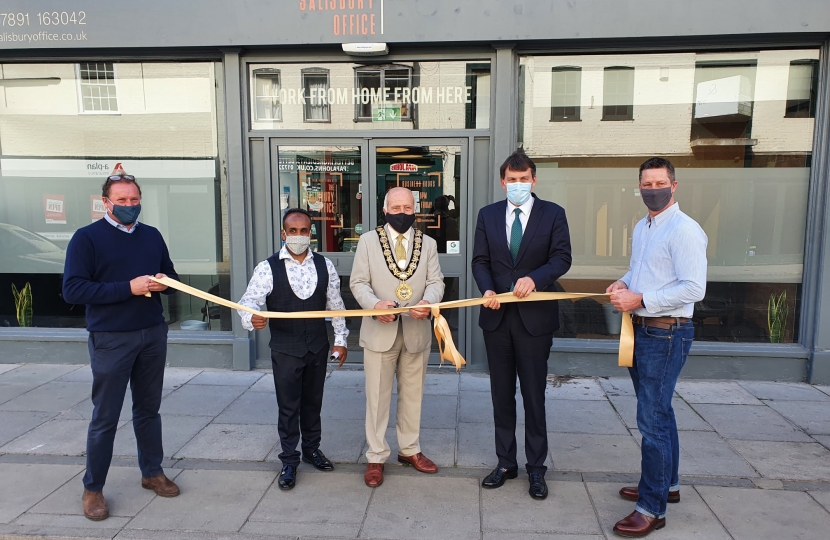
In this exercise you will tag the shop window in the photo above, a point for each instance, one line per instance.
(566, 93)
(618, 93)
(97, 87)
(48, 192)
(477, 111)
(316, 84)
(743, 175)
(267, 104)
(386, 89)
(801, 89)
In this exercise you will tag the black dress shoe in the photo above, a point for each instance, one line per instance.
(319, 460)
(498, 477)
(288, 477)
(538, 487)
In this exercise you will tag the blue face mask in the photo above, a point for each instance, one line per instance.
(518, 192)
(127, 215)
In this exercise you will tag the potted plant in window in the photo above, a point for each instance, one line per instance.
(777, 317)
(23, 304)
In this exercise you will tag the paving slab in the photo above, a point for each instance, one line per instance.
(583, 388)
(722, 392)
(341, 378)
(750, 423)
(477, 446)
(594, 453)
(751, 514)
(36, 374)
(567, 509)
(477, 407)
(226, 378)
(84, 409)
(579, 416)
(418, 507)
(265, 384)
(8, 367)
(176, 377)
(251, 408)
(822, 497)
(112, 523)
(129, 534)
(441, 384)
(321, 504)
(40, 480)
(437, 411)
(474, 382)
(786, 460)
(10, 391)
(530, 536)
(176, 431)
(823, 439)
(344, 403)
(82, 374)
(50, 397)
(55, 437)
(811, 416)
(437, 444)
(200, 400)
(784, 391)
(15, 424)
(123, 491)
(687, 418)
(824, 389)
(689, 520)
(617, 386)
(209, 501)
(240, 442)
(343, 441)
(705, 453)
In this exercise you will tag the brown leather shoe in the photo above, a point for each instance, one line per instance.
(632, 494)
(373, 475)
(163, 486)
(637, 525)
(420, 462)
(95, 506)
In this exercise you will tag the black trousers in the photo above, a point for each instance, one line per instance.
(119, 358)
(299, 384)
(512, 351)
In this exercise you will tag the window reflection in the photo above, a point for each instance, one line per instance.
(736, 126)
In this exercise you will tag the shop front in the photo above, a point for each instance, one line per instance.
(227, 128)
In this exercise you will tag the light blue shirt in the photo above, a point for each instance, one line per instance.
(668, 264)
(119, 226)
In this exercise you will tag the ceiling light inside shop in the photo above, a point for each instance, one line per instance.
(410, 156)
(391, 150)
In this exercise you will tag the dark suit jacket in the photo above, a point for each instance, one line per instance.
(544, 256)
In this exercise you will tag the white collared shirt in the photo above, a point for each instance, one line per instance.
(393, 240)
(523, 217)
(302, 276)
(668, 264)
(119, 226)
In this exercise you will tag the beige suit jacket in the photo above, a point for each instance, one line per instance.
(371, 281)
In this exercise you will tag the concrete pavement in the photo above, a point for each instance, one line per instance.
(755, 462)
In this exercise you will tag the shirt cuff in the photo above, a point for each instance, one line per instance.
(650, 300)
(340, 340)
(246, 320)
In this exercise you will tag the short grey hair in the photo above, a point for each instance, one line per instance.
(386, 197)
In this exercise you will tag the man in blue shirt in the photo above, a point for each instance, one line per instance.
(667, 275)
(108, 268)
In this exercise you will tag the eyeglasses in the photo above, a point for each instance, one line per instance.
(120, 177)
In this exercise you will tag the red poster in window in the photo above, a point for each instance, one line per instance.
(54, 208)
(98, 207)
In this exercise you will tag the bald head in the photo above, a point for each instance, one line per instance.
(399, 200)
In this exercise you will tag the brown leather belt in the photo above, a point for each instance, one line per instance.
(665, 323)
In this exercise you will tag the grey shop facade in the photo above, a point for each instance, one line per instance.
(228, 114)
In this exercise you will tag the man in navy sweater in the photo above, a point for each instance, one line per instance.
(108, 268)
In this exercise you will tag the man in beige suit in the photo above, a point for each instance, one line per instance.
(396, 265)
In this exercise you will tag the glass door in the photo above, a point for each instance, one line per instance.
(435, 170)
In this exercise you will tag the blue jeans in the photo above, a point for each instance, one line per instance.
(659, 356)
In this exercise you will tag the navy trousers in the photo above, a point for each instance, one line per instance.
(512, 351)
(299, 382)
(119, 358)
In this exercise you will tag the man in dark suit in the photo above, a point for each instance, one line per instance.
(522, 245)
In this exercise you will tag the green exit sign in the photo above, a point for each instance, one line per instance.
(387, 114)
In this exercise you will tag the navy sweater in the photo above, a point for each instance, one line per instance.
(100, 262)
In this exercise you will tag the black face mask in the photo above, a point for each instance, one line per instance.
(656, 199)
(400, 222)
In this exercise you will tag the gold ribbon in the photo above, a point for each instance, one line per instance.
(446, 347)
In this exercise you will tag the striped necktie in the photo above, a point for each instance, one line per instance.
(516, 235)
